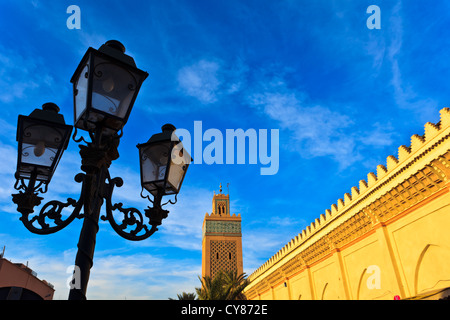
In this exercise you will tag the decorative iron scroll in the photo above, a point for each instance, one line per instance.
(133, 225)
(49, 219)
(51, 211)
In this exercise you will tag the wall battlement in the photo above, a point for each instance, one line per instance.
(410, 162)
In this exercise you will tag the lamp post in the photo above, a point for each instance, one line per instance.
(105, 86)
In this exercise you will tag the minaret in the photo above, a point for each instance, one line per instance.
(222, 238)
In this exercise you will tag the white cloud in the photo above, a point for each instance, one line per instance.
(114, 275)
(317, 130)
(182, 228)
(381, 135)
(200, 80)
(258, 245)
(34, 253)
(210, 80)
(405, 95)
(141, 276)
(20, 75)
(376, 47)
(8, 159)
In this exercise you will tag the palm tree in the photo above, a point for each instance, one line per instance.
(212, 288)
(226, 285)
(237, 284)
(185, 296)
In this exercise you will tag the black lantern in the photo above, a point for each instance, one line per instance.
(105, 86)
(42, 138)
(164, 162)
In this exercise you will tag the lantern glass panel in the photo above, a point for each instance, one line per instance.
(106, 84)
(154, 161)
(40, 147)
(113, 88)
(81, 92)
(38, 154)
(179, 163)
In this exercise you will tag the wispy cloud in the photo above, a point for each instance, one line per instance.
(19, 74)
(317, 130)
(210, 80)
(8, 157)
(200, 80)
(142, 276)
(405, 95)
(115, 275)
(381, 135)
(25, 78)
(182, 228)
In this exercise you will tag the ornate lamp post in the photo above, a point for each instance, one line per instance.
(106, 84)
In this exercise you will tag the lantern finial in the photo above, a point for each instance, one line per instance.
(168, 127)
(50, 106)
(116, 45)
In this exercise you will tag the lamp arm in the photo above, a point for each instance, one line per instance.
(38, 223)
(133, 225)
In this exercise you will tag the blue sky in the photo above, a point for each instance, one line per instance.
(343, 97)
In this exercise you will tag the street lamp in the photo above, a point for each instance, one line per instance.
(163, 162)
(105, 84)
(42, 138)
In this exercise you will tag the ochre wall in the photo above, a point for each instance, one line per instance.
(389, 237)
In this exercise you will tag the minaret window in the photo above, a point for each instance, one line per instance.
(221, 209)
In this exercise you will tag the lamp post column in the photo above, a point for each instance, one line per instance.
(95, 162)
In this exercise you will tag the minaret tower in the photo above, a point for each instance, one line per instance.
(222, 238)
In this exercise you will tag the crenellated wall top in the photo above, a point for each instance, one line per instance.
(433, 144)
